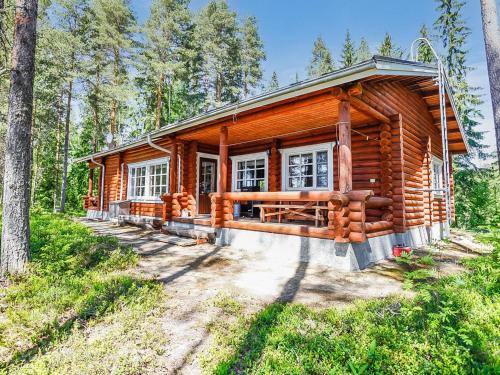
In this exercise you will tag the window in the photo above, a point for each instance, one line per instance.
(437, 174)
(148, 180)
(249, 170)
(308, 168)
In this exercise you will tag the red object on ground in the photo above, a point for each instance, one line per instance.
(398, 250)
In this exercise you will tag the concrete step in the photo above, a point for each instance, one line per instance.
(174, 240)
(199, 233)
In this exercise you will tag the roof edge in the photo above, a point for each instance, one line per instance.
(376, 65)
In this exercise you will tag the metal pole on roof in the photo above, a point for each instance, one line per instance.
(444, 126)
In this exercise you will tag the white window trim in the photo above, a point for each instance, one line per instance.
(146, 164)
(286, 152)
(234, 167)
(437, 161)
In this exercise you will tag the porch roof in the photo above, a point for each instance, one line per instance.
(318, 110)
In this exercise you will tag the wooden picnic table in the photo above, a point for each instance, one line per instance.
(289, 211)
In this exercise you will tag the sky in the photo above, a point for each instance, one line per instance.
(289, 27)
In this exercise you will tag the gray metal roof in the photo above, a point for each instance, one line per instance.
(377, 65)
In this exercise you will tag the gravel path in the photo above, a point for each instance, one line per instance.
(195, 275)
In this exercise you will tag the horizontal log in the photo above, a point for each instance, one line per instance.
(297, 230)
(357, 237)
(359, 195)
(378, 226)
(381, 233)
(378, 202)
(300, 196)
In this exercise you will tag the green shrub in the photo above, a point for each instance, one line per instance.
(451, 326)
(75, 278)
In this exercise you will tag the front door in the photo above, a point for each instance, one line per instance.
(207, 183)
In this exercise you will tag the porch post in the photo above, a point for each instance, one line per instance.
(91, 182)
(173, 167)
(345, 158)
(274, 177)
(223, 156)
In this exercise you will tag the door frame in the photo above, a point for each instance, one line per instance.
(204, 155)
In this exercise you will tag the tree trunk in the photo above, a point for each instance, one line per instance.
(56, 164)
(492, 43)
(159, 101)
(66, 147)
(15, 250)
(114, 102)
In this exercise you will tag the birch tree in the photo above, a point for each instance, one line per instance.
(492, 44)
(15, 247)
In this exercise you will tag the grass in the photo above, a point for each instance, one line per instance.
(451, 326)
(78, 310)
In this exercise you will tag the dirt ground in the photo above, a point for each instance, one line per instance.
(194, 275)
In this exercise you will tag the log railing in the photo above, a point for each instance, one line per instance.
(347, 218)
(90, 202)
(354, 217)
(174, 203)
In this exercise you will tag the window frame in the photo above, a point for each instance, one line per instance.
(314, 148)
(147, 164)
(437, 190)
(248, 157)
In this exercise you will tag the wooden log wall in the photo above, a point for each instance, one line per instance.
(415, 125)
(166, 207)
(396, 170)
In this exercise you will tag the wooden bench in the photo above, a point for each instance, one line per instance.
(292, 211)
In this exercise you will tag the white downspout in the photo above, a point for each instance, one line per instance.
(154, 145)
(444, 126)
(121, 182)
(103, 176)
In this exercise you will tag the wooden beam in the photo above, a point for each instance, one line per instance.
(223, 156)
(345, 157)
(355, 90)
(367, 109)
(352, 95)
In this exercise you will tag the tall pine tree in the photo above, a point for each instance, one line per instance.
(163, 56)
(425, 53)
(321, 61)
(389, 49)
(218, 45)
(348, 55)
(115, 24)
(252, 55)
(454, 33)
(273, 83)
(363, 52)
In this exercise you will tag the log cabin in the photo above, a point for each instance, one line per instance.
(340, 168)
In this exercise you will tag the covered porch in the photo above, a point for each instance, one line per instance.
(325, 163)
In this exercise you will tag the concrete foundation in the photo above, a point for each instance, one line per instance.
(276, 247)
(338, 256)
